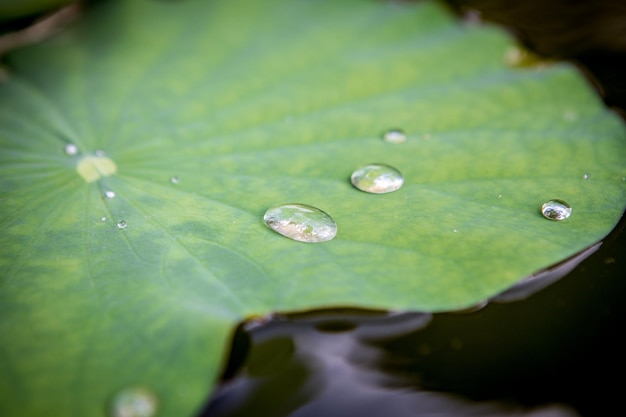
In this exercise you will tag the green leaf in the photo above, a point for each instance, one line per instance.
(250, 105)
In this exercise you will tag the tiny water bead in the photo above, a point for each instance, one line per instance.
(556, 210)
(109, 194)
(395, 136)
(301, 222)
(586, 176)
(174, 180)
(134, 402)
(377, 179)
(70, 149)
(122, 224)
(103, 219)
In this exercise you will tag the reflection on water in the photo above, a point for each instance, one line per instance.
(330, 364)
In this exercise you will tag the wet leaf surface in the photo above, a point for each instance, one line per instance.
(249, 105)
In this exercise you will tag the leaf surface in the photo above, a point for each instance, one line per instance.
(200, 116)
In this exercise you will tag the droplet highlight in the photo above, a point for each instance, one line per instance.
(70, 149)
(586, 176)
(301, 222)
(122, 224)
(377, 179)
(395, 136)
(556, 210)
(103, 219)
(109, 194)
(174, 180)
(134, 402)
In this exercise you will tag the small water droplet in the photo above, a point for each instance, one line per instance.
(109, 194)
(100, 153)
(174, 180)
(122, 224)
(103, 219)
(556, 210)
(70, 149)
(395, 136)
(377, 179)
(134, 402)
(586, 176)
(301, 222)
(499, 195)
(455, 230)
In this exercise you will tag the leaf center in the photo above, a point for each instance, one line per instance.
(92, 168)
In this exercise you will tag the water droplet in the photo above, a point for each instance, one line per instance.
(395, 136)
(100, 153)
(103, 219)
(377, 179)
(70, 149)
(122, 224)
(301, 222)
(174, 180)
(586, 176)
(134, 402)
(556, 210)
(109, 194)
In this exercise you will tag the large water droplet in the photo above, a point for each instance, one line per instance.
(556, 210)
(70, 149)
(377, 178)
(394, 136)
(109, 194)
(301, 222)
(134, 402)
(122, 224)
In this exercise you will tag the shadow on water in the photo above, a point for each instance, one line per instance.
(549, 347)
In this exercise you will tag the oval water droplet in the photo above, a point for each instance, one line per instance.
(109, 194)
(556, 210)
(586, 176)
(395, 136)
(174, 180)
(301, 222)
(122, 224)
(103, 219)
(134, 402)
(377, 178)
(70, 149)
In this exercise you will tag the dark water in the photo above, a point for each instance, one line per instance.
(555, 353)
